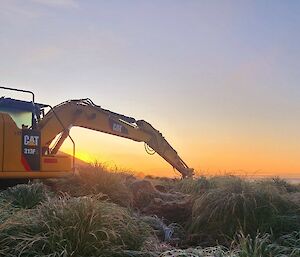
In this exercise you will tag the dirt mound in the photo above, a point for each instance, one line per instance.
(175, 207)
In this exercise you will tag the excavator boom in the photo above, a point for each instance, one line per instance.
(84, 113)
(31, 150)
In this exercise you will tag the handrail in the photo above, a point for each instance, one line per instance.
(20, 90)
(33, 122)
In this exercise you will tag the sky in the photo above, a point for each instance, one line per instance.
(219, 79)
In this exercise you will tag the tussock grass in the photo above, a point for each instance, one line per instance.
(25, 196)
(72, 227)
(295, 197)
(95, 179)
(225, 181)
(193, 186)
(237, 204)
(262, 245)
(258, 246)
(280, 184)
(6, 210)
(226, 210)
(291, 243)
(199, 185)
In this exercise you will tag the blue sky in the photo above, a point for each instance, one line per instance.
(219, 78)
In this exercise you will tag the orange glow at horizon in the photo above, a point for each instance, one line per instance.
(209, 157)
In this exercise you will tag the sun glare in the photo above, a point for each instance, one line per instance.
(82, 155)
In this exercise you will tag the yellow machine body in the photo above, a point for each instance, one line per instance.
(12, 161)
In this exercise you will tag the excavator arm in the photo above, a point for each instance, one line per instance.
(84, 113)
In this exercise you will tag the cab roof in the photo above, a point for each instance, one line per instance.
(21, 105)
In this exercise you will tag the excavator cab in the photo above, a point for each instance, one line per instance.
(20, 143)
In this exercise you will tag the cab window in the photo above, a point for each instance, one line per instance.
(20, 117)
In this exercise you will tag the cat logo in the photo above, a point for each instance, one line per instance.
(31, 145)
(31, 140)
(117, 127)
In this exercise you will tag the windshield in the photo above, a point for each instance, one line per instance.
(20, 117)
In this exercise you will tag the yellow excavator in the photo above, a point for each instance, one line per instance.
(31, 136)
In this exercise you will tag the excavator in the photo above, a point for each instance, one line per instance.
(32, 134)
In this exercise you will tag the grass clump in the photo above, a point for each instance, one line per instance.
(199, 185)
(225, 181)
(236, 205)
(262, 245)
(81, 226)
(290, 244)
(95, 179)
(280, 184)
(193, 186)
(25, 196)
(258, 246)
(6, 210)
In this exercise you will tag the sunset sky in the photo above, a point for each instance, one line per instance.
(220, 79)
